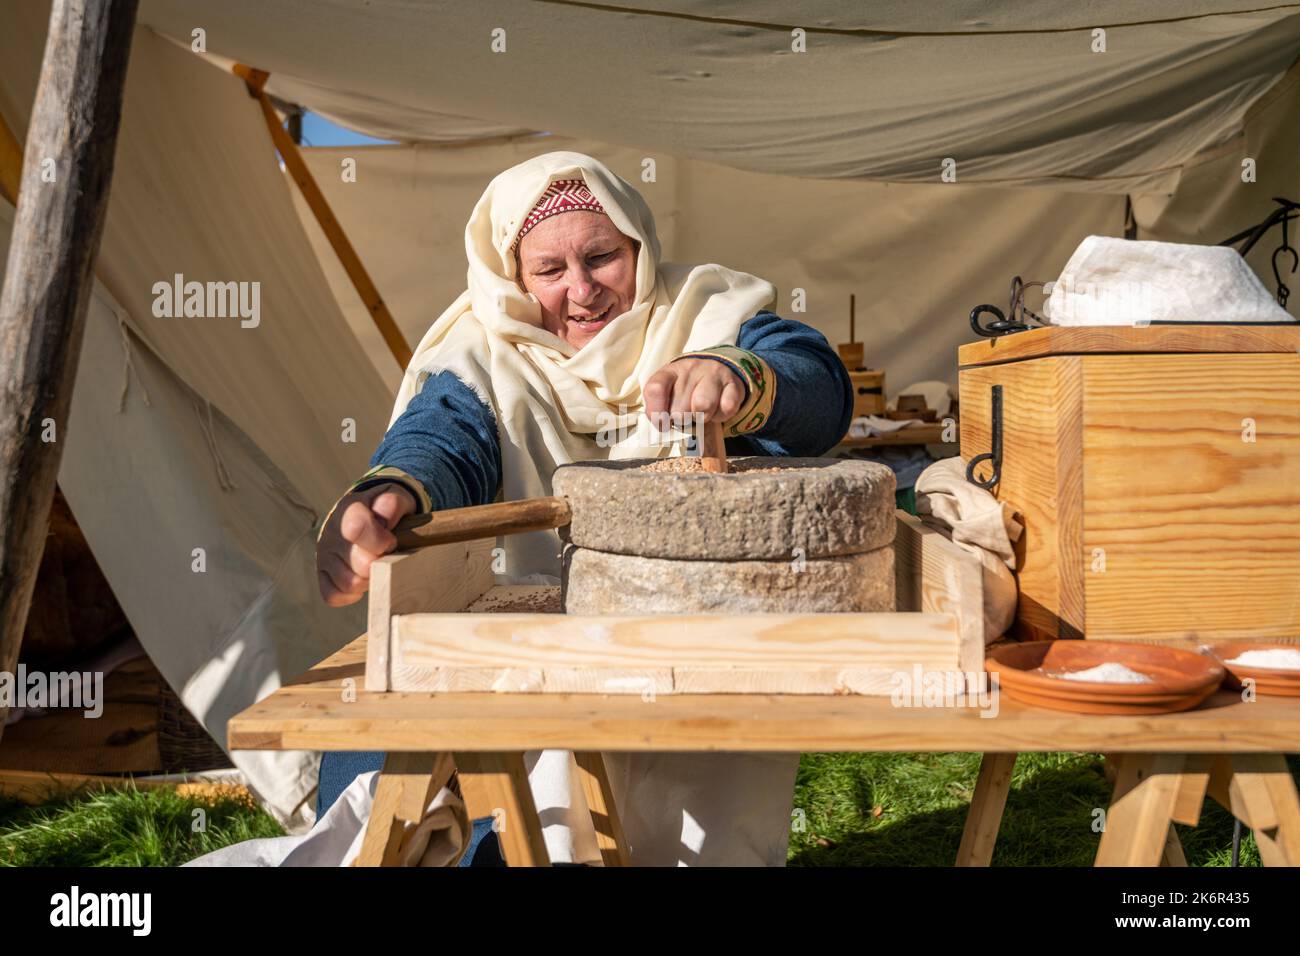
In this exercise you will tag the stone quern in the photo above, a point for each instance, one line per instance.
(775, 535)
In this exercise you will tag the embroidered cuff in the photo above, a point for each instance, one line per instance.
(381, 475)
(760, 387)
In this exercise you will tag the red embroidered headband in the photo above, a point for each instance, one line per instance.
(563, 195)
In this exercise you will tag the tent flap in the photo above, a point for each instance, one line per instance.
(1025, 94)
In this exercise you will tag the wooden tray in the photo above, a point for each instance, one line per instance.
(1181, 679)
(1268, 680)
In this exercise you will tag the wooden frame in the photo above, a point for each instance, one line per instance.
(934, 575)
(939, 626)
(667, 654)
(448, 577)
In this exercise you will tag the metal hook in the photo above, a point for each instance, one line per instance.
(1017, 310)
(999, 326)
(1282, 290)
(994, 457)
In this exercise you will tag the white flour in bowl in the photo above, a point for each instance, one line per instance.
(1110, 672)
(1275, 658)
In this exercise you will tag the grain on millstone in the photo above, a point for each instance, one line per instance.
(763, 509)
(519, 600)
(677, 466)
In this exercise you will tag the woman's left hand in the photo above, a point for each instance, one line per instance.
(694, 385)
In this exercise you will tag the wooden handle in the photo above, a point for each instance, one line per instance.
(713, 448)
(481, 521)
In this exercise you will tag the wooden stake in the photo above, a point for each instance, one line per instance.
(49, 278)
(853, 353)
(348, 258)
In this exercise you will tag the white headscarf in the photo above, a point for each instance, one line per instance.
(551, 399)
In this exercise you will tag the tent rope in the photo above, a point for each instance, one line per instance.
(210, 436)
(128, 367)
(292, 498)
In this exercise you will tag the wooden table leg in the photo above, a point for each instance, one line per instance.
(985, 814)
(1142, 811)
(407, 784)
(1173, 854)
(1187, 804)
(1259, 791)
(600, 801)
(496, 785)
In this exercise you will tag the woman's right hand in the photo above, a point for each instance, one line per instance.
(359, 531)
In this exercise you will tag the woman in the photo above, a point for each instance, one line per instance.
(571, 337)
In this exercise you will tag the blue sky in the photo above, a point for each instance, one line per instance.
(318, 131)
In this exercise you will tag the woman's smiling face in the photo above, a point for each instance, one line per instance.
(582, 270)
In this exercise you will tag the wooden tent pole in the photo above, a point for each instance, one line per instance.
(361, 281)
(49, 278)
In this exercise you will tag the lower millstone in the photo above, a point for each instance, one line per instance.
(597, 582)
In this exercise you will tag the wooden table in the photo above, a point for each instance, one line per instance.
(1228, 749)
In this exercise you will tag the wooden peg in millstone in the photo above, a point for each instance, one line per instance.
(708, 444)
(713, 448)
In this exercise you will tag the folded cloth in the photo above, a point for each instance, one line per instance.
(873, 426)
(439, 839)
(1130, 282)
(979, 523)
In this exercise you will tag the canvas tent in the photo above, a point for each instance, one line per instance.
(818, 170)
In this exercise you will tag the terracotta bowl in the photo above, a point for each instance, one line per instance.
(1180, 680)
(1268, 680)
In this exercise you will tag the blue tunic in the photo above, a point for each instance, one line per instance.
(447, 438)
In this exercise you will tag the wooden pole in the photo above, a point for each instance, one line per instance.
(351, 262)
(49, 278)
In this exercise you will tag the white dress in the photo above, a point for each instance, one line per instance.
(692, 809)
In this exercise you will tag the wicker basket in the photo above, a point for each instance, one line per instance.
(183, 744)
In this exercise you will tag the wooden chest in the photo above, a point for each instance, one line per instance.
(1157, 472)
(868, 392)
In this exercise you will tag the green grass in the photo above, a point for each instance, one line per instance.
(908, 810)
(858, 810)
(125, 828)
